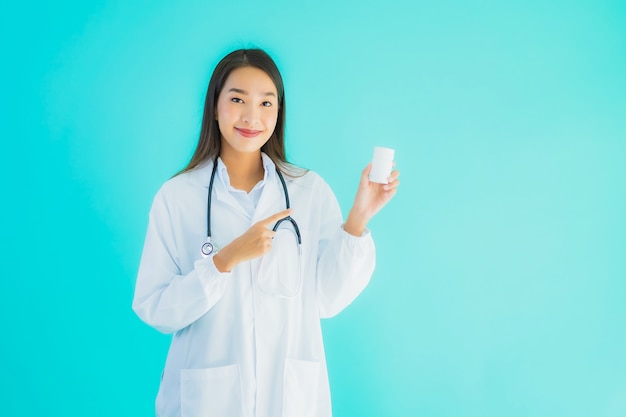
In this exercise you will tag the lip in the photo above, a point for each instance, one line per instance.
(248, 133)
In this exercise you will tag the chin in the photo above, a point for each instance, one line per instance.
(248, 149)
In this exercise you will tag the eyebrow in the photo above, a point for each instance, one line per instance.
(240, 91)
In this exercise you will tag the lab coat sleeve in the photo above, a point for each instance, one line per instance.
(164, 298)
(345, 262)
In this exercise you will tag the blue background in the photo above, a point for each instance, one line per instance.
(500, 288)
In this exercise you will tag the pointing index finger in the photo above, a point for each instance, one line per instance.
(275, 217)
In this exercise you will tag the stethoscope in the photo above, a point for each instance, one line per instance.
(209, 247)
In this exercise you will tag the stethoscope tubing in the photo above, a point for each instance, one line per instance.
(208, 247)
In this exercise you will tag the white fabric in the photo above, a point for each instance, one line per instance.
(237, 351)
(248, 201)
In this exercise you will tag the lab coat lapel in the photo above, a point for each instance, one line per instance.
(201, 177)
(223, 195)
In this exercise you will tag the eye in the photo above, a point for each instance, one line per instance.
(267, 104)
(236, 100)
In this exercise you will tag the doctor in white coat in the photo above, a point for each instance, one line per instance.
(245, 317)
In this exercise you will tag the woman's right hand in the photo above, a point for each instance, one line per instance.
(255, 242)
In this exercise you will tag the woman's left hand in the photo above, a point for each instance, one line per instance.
(370, 198)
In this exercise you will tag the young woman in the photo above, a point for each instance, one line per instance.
(244, 255)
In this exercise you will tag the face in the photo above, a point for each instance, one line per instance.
(247, 110)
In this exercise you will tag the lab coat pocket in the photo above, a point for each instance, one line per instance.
(281, 270)
(300, 389)
(210, 392)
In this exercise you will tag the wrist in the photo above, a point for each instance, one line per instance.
(223, 261)
(355, 223)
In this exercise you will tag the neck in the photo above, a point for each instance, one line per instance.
(244, 169)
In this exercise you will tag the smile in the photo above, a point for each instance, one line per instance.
(248, 133)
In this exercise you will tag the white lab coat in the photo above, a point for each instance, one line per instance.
(237, 351)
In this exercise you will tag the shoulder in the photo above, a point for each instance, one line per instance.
(307, 178)
(180, 187)
(312, 182)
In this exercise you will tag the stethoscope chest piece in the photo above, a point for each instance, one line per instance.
(208, 248)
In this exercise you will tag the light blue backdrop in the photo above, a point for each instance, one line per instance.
(501, 281)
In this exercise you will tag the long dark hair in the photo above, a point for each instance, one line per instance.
(209, 144)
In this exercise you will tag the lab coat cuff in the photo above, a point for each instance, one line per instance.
(207, 269)
(366, 233)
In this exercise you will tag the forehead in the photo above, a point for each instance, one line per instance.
(250, 79)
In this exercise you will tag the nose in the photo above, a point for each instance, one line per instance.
(251, 115)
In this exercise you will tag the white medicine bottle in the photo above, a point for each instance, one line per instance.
(382, 164)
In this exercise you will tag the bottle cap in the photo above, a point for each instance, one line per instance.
(384, 153)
